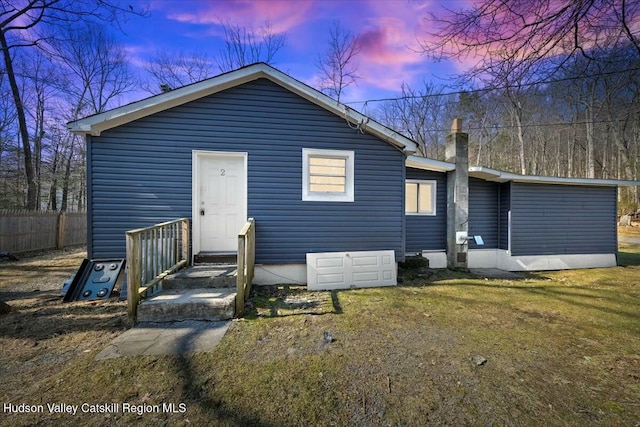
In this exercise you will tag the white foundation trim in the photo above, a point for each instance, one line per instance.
(555, 262)
(483, 258)
(502, 259)
(436, 259)
(277, 274)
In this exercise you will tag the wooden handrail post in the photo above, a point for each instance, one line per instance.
(134, 273)
(240, 279)
(186, 242)
(246, 262)
(251, 255)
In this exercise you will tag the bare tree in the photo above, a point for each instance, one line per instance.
(245, 45)
(96, 69)
(519, 44)
(475, 109)
(170, 70)
(419, 114)
(242, 46)
(338, 65)
(30, 24)
(37, 93)
(519, 30)
(96, 75)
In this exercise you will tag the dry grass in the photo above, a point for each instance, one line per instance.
(562, 348)
(631, 231)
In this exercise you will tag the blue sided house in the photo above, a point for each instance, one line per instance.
(323, 183)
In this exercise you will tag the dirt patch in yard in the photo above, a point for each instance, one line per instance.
(42, 334)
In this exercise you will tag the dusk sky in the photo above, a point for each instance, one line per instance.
(389, 29)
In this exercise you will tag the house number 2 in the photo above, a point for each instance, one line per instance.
(223, 172)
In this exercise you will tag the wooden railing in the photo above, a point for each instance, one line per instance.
(152, 254)
(246, 263)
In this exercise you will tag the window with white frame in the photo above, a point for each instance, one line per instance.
(327, 175)
(420, 197)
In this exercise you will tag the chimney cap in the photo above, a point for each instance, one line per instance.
(456, 126)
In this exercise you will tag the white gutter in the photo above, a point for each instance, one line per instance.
(500, 176)
(425, 163)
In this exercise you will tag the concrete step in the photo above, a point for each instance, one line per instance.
(172, 305)
(203, 276)
(216, 258)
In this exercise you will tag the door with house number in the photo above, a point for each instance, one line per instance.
(222, 204)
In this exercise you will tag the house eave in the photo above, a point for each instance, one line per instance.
(425, 163)
(494, 175)
(98, 123)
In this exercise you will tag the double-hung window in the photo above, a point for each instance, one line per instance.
(327, 175)
(420, 197)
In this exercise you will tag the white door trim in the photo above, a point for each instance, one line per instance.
(196, 155)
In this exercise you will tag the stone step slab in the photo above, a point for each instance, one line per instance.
(172, 305)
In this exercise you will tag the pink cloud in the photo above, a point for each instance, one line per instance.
(280, 13)
(389, 50)
(387, 42)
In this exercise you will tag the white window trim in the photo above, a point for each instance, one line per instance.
(316, 196)
(420, 182)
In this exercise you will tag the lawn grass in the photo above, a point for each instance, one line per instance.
(562, 348)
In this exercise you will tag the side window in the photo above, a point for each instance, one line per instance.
(327, 175)
(420, 197)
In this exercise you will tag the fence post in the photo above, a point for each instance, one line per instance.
(60, 230)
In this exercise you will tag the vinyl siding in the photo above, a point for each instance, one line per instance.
(140, 174)
(562, 219)
(425, 232)
(505, 208)
(484, 207)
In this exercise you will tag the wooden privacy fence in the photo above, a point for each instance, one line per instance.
(22, 231)
(246, 263)
(152, 254)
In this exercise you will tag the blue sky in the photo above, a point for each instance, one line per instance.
(390, 31)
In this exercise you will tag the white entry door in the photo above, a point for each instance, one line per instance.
(220, 209)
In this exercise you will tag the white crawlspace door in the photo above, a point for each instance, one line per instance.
(220, 200)
(343, 270)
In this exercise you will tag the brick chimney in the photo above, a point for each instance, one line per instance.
(457, 152)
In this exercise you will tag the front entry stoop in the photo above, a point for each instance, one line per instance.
(172, 305)
(199, 292)
(203, 276)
